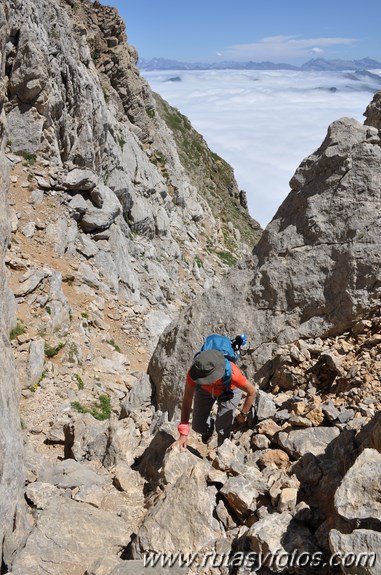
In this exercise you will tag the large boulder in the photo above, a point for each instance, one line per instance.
(69, 537)
(359, 495)
(358, 553)
(315, 270)
(182, 521)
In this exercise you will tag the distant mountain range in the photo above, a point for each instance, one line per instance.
(315, 65)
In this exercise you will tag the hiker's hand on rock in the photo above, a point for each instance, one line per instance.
(240, 419)
(182, 443)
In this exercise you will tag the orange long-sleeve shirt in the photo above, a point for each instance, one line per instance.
(216, 388)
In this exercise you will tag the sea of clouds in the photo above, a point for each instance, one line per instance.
(264, 123)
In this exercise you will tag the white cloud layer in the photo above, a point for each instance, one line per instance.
(264, 123)
(281, 48)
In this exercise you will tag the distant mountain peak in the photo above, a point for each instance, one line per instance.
(316, 64)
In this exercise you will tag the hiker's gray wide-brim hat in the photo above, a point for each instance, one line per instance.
(207, 367)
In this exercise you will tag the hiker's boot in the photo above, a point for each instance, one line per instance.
(205, 437)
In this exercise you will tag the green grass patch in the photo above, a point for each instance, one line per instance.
(213, 176)
(77, 406)
(101, 410)
(19, 329)
(227, 258)
(51, 351)
(198, 261)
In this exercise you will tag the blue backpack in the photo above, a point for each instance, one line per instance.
(229, 348)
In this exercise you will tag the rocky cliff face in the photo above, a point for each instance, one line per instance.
(75, 99)
(12, 528)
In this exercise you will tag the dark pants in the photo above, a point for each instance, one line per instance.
(202, 406)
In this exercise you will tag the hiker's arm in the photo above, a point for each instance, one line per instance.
(249, 389)
(187, 403)
(186, 407)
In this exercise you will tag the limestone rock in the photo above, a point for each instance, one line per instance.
(36, 361)
(370, 435)
(373, 112)
(68, 546)
(80, 180)
(362, 546)
(40, 493)
(70, 474)
(188, 521)
(265, 408)
(123, 440)
(126, 479)
(59, 317)
(29, 282)
(276, 458)
(86, 437)
(96, 218)
(314, 440)
(241, 494)
(359, 495)
(175, 463)
(279, 534)
(138, 398)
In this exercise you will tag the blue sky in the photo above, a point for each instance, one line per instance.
(292, 31)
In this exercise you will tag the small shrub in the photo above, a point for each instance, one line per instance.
(29, 158)
(150, 112)
(73, 352)
(121, 141)
(198, 261)
(85, 315)
(19, 329)
(51, 351)
(113, 344)
(48, 309)
(95, 55)
(79, 379)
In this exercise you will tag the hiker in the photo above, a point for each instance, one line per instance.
(204, 385)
